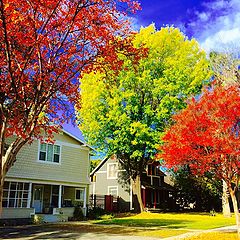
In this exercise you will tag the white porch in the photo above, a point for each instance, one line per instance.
(24, 199)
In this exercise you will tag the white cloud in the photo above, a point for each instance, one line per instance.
(203, 16)
(222, 39)
(218, 25)
(217, 4)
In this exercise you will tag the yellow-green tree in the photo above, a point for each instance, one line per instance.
(125, 112)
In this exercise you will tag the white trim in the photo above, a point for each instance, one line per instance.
(48, 182)
(18, 194)
(29, 195)
(108, 164)
(116, 187)
(73, 145)
(48, 162)
(85, 198)
(77, 139)
(60, 196)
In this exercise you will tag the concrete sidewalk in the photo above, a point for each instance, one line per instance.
(196, 233)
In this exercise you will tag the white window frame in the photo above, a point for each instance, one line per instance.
(81, 189)
(16, 197)
(48, 162)
(116, 188)
(108, 168)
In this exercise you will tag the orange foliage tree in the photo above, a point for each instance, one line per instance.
(45, 46)
(206, 136)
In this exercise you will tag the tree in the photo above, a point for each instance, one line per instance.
(225, 64)
(124, 112)
(205, 136)
(204, 191)
(94, 163)
(45, 45)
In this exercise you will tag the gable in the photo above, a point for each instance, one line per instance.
(102, 166)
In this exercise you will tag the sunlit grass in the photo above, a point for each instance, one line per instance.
(215, 236)
(163, 233)
(173, 220)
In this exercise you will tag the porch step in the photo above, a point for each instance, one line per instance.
(50, 218)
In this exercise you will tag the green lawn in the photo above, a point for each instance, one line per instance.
(172, 221)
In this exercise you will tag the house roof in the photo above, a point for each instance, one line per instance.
(99, 166)
(77, 139)
(104, 160)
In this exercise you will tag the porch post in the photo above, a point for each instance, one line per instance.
(85, 202)
(131, 197)
(29, 195)
(155, 198)
(85, 198)
(60, 196)
(144, 196)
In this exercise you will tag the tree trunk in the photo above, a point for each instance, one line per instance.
(236, 211)
(137, 196)
(1, 192)
(225, 201)
(2, 142)
(7, 159)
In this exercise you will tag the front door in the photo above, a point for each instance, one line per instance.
(38, 198)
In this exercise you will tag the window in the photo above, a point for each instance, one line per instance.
(79, 195)
(15, 194)
(55, 196)
(153, 170)
(112, 171)
(113, 190)
(49, 153)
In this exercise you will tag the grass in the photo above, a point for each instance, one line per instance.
(172, 220)
(214, 236)
(156, 225)
(111, 229)
(162, 233)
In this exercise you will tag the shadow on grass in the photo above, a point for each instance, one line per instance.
(66, 231)
(35, 232)
(168, 223)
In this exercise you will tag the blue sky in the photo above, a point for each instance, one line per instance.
(213, 23)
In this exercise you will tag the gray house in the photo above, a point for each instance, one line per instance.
(106, 179)
(109, 179)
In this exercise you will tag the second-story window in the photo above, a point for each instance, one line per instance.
(112, 170)
(49, 153)
(153, 170)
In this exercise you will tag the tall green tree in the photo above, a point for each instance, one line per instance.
(125, 112)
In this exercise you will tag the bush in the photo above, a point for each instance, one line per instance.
(96, 213)
(78, 214)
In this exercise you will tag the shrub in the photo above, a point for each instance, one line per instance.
(78, 214)
(96, 213)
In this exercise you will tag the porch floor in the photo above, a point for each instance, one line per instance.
(50, 218)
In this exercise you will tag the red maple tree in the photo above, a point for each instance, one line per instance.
(206, 136)
(45, 46)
